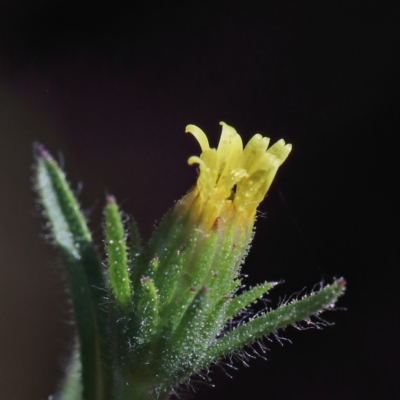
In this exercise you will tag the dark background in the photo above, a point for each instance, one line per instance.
(109, 89)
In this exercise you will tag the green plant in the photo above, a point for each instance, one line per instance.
(159, 313)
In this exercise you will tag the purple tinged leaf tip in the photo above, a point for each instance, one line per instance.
(341, 282)
(44, 153)
(110, 199)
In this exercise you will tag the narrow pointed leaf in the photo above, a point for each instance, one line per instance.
(274, 320)
(135, 252)
(148, 309)
(72, 386)
(117, 254)
(244, 299)
(85, 276)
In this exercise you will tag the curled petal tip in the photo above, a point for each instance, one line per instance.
(199, 135)
(194, 160)
(188, 128)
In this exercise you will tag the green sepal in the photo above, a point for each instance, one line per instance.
(165, 241)
(117, 254)
(135, 253)
(241, 301)
(231, 249)
(148, 313)
(84, 272)
(152, 267)
(161, 246)
(272, 321)
(183, 344)
(198, 258)
(170, 244)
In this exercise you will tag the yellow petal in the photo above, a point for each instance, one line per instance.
(232, 181)
(229, 180)
(280, 150)
(247, 193)
(254, 149)
(208, 163)
(194, 160)
(229, 150)
(199, 135)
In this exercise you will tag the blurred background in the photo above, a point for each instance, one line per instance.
(109, 88)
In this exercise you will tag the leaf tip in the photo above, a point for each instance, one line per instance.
(110, 199)
(42, 152)
(341, 282)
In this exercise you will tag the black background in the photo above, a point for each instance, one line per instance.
(113, 85)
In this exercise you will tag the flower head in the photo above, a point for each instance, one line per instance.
(173, 307)
(232, 180)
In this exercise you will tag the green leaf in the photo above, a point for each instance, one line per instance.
(85, 275)
(72, 385)
(148, 309)
(135, 253)
(117, 255)
(241, 301)
(274, 320)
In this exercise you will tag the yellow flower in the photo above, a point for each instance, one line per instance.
(232, 180)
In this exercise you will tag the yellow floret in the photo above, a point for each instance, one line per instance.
(232, 180)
